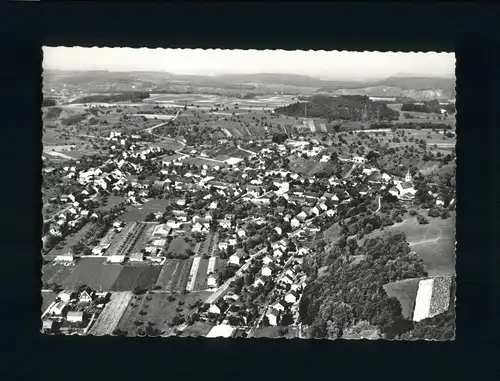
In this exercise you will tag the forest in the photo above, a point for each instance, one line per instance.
(350, 290)
(411, 126)
(346, 107)
(428, 107)
(48, 102)
(133, 96)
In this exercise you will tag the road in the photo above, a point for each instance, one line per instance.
(247, 151)
(150, 129)
(282, 274)
(354, 166)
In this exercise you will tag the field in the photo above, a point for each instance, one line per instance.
(198, 161)
(273, 332)
(64, 246)
(111, 202)
(130, 277)
(157, 312)
(434, 242)
(56, 272)
(93, 272)
(174, 275)
(201, 276)
(109, 318)
(178, 245)
(47, 299)
(140, 212)
(198, 329)
(406, 292)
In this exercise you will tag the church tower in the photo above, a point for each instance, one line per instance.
(408, 177)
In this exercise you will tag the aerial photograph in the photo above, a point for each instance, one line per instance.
(248, 194)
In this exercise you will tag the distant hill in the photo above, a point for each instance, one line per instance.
(418, 88)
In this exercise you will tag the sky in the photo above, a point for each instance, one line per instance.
(319, 64)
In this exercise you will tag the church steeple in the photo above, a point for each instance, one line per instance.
(408, 177)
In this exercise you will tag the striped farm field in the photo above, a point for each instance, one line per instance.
(109, 318)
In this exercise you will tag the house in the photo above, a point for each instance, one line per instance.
(267, 260)
(235, 259)
(213, 205)
(115, 259)
(136, 257)
(74, 317)
(266, 271)
(212, 281)
(161, 230)
(301, 216)
(286, 279)
(222, 330)
(273, 316)
(225, 224)
(292, 297)
(313, 228)
(47, 324)
(172, 224)
(278, 253)
(66, 295)
(315, 211)
(280, 306)
(296, 287)
(242, 233)
(197, 228)
(214, 309)
(359, 160)
(259, 282)
(86, 296)
(290, 273)
(223, 245)
(439, 202)
(295, 223)
(59, 308)
(330, 213)
(278, 230)
(302, 251)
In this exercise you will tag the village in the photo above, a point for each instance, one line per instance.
(244, 224)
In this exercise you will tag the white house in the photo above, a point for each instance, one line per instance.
(242, 233)
(266, 271)
(280, 306)
(235, 259)
(278, 230)
(273, 316)
(259, 282)
(267, 260)
(302, 251)
(214, 309)
(223, 245)
(278, 253)
(58, 308)
(197, 228)
(74, 316)
(212, 281)
(65, 296)
(287, 280)
(291, 297)
(301, 216)
(295, 223)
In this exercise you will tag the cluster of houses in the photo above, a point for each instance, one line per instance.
(73, 310)
(278, 266)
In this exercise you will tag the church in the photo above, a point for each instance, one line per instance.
(404, 190)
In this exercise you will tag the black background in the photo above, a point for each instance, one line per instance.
(470, 30)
